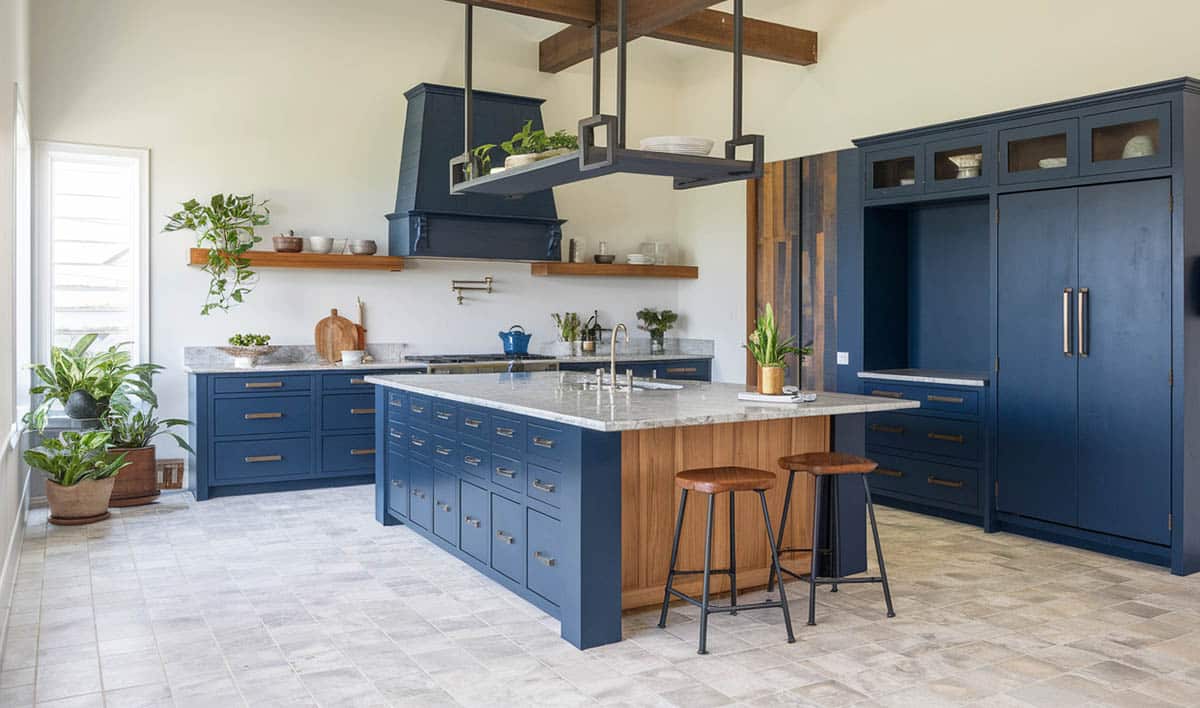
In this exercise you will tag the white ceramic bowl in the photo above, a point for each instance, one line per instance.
(320, 244)
(363, 247)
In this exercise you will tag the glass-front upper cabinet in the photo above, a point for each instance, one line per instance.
(1131, 139)
(1033, 153)
(959, 163)
(895, 172)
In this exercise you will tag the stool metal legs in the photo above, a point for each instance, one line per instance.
(816, 533)
(887, 592)
(662, 619)
(733, 556)
(707, 575)
(787, 615)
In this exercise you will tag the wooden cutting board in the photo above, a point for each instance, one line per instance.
(334, 335)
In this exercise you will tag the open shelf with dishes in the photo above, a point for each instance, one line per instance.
(319, 261)
(615, 270)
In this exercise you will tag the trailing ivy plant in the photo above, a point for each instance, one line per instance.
(225, 226)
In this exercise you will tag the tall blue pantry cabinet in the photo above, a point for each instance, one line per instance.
(1044, 259)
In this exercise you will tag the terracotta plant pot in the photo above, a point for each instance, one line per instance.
(770, 380)
(137, 483)
(83, 503)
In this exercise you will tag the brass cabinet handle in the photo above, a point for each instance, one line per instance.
(543, 486)
(944, 482)
(543, 442)
(505, 432)
(944, 399)
(545, 559)
(263, 458)
(443, 506)
(443, 415)
(946, 438)
(262, 416)
(681, 370)
(418, 494)
(1067, 321)
(1082, 318)
(263, 384)
(362, 411)
(472, 423)
(504, 537)
(472, 460)
(471, 521)
(417, 409)
(895, 429)
(357, 382)
(443, 451)
(887, 394)
(889, 473)
(362, 451)
(505, 472)
(417, 442)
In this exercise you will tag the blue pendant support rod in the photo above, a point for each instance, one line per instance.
(622, 40)
(738, 22)
(596, 39)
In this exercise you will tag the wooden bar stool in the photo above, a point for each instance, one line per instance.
(713, 481)
(825, 467)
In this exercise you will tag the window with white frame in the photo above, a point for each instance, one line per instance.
(93, 243)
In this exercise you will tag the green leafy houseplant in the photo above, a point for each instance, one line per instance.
(484, 153)
(771, 351)
(89, 383)
(568, 324)
(134, 427)
(657, 323)
(73, 457)
(526, 141)
(225, 226)
(563, 140)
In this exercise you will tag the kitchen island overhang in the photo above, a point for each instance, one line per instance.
(565, 494)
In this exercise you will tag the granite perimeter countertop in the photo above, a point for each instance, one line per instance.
(562, 397)
(268, 368)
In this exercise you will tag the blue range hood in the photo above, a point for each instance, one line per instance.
(429, 221)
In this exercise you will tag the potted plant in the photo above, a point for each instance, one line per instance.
(132, 430)
(87, 384)
(225, 226)
(248, 348)
(484, 153)
(80, 475)
(569, 326)
(524, 146)
(657, 323)
(771, 352)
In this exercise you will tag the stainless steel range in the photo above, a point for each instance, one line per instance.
(486, 363)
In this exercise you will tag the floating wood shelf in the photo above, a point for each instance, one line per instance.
(615, 270)
(321, 261)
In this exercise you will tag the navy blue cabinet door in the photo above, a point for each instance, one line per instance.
(1036, 383)
(1124, 385)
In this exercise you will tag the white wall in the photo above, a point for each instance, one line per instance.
(14, 69)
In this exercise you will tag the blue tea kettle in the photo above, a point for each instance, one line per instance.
(516, 341)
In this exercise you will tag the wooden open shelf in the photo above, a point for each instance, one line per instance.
(615, 270)
(321, 261)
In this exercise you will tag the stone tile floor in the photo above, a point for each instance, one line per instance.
(300, 599)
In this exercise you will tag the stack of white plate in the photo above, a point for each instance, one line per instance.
(678, 145)
(639, 259)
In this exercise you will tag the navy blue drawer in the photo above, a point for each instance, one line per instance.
(445, 451)
(476, 539)
(356, 380)
(420, 494)
(348, 411)
(964, 401)
(445, 506)
(508, 434)
(544, 569)
(474, 423)
(445, 416)
(261, 383)
(476, 461)
(934, 481)
(508, 538)
(508, 472)
(396, 401)
(546, 443)
(419, 409)
(915, 433)
(397, 496)
(263, 415)
(545, 484)
(420, 442)
(261, 460)
(348, 453)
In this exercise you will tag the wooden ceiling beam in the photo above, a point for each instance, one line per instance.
(571, 12)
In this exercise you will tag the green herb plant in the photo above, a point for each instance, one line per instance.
(526, 141)
(563, 139)
(225, 226)
(656, 322)
(484, 153)
(109, 377)
(765, 344)
(75, 456)
(250, 340)
(568, 324)
(131, 426)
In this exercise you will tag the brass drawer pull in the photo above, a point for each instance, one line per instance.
(896, 429)
(443, 506)
(472, 460)
(443, 415)
(505, 432)
(262, 416)
(545, 559)
(543, 486)
(443, 451)
(418, 442)
(263, 384)
(396, 402)
(357, 382)
(946, 438)
(887, 394)
(472, 423)
(362, 411)
(944, 399)
(362, 451)
(394, 434)
(681, 370)
(417, 409)
(944, 482)
(263, 458)
(418, 494)
(504, 537)
(505, 472)
(543, 442)
(889, 473)
(471, 521)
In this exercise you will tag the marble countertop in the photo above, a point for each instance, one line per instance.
(558, 397)
(628, 356)
(929, 376)
(268, 368)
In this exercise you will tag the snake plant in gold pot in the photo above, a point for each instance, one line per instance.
(771, 352)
